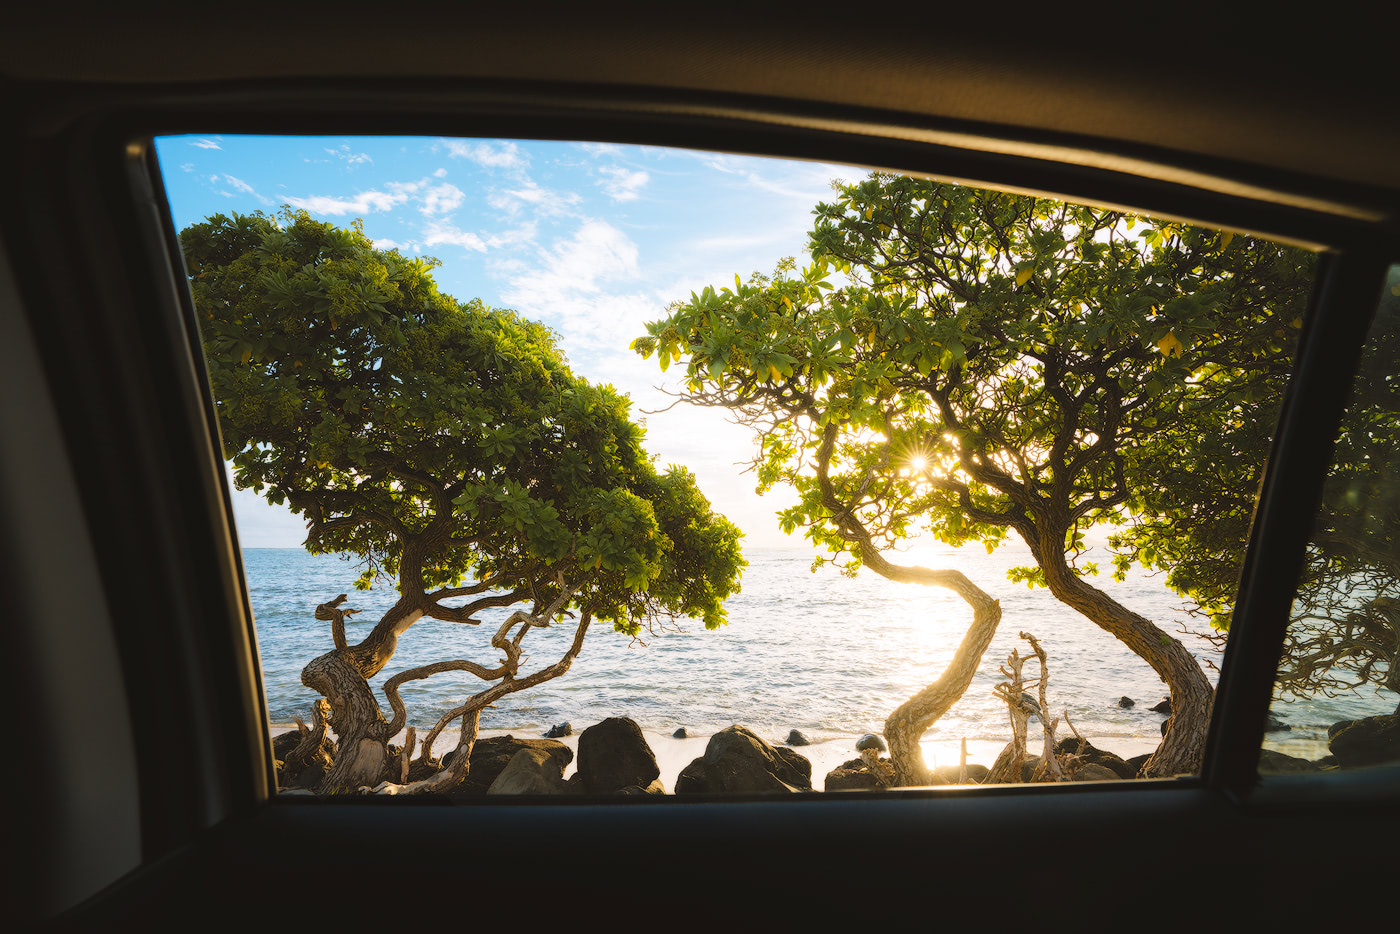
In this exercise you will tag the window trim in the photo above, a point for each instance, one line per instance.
(124, 369)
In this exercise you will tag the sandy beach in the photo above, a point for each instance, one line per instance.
(673, 755)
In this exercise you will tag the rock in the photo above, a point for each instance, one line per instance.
(1277, 763)
(1127, 703)
(613, 754)
(563, 729)
(1090, 755)
(490, 757)
(795, 738)
(1164, 706)
(948, 774)
(680, 733)
(871, 741)
(655, 788)
(1093, 772)
(851, 775)
(855, 775)
(692, 780)
(531, 772)
(738, 762)
(798, 763)
(1273, 724)
(1137, 762)
(1028, 766)
(1371, 741)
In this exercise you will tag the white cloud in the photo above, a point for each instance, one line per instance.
(565, 285)
(188, 166)
(622, 184)
(501, 156)
(350, 158)
(206, 143)
(365, 202)
(440, 173)
(239, 185)
(437, 233)
(441, 199)
(545, 201)
(432, 199)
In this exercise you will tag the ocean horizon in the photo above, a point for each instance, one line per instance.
(817, 652)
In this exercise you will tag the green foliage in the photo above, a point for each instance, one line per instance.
(445, 444)
(987, 362)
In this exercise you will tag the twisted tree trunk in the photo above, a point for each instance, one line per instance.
(362, 755)
(908, 723)
(1183, 747)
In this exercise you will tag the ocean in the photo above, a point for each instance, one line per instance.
(818, 652)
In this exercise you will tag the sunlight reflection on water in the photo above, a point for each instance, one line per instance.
(817, 652)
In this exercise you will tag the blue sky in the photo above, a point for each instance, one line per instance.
(591, 239)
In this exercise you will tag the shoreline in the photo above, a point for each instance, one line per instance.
(673, 755)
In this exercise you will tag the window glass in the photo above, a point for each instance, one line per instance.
(655, 460)
(1338, 683)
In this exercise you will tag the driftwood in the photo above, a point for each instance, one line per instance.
(1010, 762)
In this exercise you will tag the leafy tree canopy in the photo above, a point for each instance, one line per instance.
(443, 443)
(999, 362)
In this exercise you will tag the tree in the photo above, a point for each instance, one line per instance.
(1345, 627)
(996, 363)
(448, 447)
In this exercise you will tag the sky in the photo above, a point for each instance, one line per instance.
(591, 239)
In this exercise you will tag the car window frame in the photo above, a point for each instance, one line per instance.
(119, 343)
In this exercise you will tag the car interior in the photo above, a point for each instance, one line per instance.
(143, 790)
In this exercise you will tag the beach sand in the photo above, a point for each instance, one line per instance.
(673, 755)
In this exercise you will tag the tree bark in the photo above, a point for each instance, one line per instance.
(910, 720)
(362, 757)
(1183, 748)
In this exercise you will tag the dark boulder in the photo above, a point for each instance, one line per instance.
(1273, 724)
(680, 733)
(1164, 706)
(560, 729)
(796, 738)
(871, 741)
(490, 756)
(739, 762)
(855, 775)
(1090, 755)
(1127, 703)
(851, 775)
(531, 772)
(948, 774)
(798, 764)
(692, 780)
(1277, 763)
(1371, 741)
(613, 755)
(1137, 762)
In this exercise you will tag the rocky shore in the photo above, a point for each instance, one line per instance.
(614, 757)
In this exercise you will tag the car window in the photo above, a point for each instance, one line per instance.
(574, 467)
(1338, 683)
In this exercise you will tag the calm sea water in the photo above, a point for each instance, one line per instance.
(818, 652)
